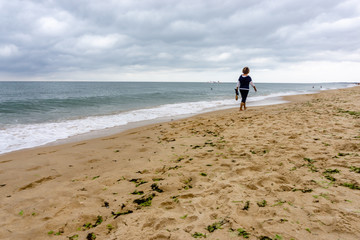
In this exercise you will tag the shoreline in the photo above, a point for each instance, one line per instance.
(108, 132)
(80, 129)
(272, 100)
(208, 168)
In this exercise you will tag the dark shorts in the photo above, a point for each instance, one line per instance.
(244, 94)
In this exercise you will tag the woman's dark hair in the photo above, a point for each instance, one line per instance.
(246, 70)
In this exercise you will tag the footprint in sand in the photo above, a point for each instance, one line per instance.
(38, 182)
(33, 168)
(6, 161)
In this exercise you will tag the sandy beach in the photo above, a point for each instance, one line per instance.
(288, 171)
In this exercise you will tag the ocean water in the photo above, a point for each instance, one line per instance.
(37, 113)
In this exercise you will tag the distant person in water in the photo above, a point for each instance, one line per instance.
(243, 85)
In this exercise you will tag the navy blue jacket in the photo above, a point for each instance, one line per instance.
(244, 82)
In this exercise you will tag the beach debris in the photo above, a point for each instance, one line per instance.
(137, 192)
(106, 204)
(91, 236)
(216, 225)
(187, 183)
(210, 143)
(183, 217)
(58, 233)
(331, 171)
(265, 238)
(354, 186)
(309, 160)
(179, 159)
(327, 174)
(98, 221)
(95, 177)
(324, 195)
(196, 146)
(304, 190)
(262, 203)
(157, 179)
(329, 177)
(198, 235)
(310, 164)
(156, 188)
(246, 206)
(243, 233)
(278, 203)
(137, 181)
(176, 167)
(109, 227)
(175, 198)
(203, 174)
(352, 113)
(145, 201)
(355, 169)
(117, 214)
(74, 237)
(2, 185)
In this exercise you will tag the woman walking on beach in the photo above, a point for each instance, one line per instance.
(243, 86)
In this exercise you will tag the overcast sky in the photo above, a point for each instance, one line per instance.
(209, 40)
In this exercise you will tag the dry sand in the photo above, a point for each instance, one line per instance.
(282, 172)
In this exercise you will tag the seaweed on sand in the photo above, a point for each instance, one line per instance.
(157, 179)
(310, 164)
(304, 190)
(74, 237)
(117, 214)
(329, 177)
(246, 206)
(137, 181)
(265, 238)
(175, 198)
(198, 235)
(351, 186)
(91, 236)
(156, 188)
(352, 113)
(106, 204)
(99, 220)
(355, 169)
(109, 227)
(331, 171)
(242, 232)
(216, 225)
(262, 203)
(176, 167)
(187, 183)
(137, 192)
(327, 174)
(145, 201)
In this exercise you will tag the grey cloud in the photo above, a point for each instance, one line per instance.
(40, 37)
